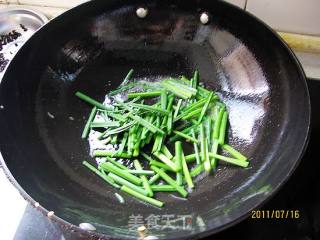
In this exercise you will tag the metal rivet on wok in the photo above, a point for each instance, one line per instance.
(204, 18)
(87, 226)
(50, 214)
(142, 12)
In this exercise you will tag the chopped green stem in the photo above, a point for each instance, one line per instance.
(223, 128)
(185, 131)
(122, 89)
(86, 129)
(128, 77)
(164, 99)
(103, 153)
(208, 130)
(205, 107)
(166, 152)
(214, 150)
(179, 178)
(142, 197)
(122, 144)
(192, 114)
(91, 101)
(143, 178)
(178, 154)
(146, 124)
(149, 108)
(106, 140)
(202, 91)
(204, 145)
(176, 90)
(217, 124)
(170, 103)
(186, 172)
(185, 88)
(144, 94)
(118, 117)
(117, 130)
(195, 79)
(167, 161)
(124, 182)
(234, 161)
(197, 170)
(234, 152)
(154, 178)
(170, 122)
(194, 106)
(170, 181)
(104, 124)
(176, 112)
(196, 148)
(114, 139)
(120, 172)
(116, 163)
(163, 188)
(187, 137)
(100, 174)
(161, 165)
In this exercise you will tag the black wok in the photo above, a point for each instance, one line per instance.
(90, 48)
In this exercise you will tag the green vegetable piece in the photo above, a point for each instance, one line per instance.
(195, 79)
(170, 181)
(154, 178)
(120, 172)
(196, 149)
(164, 99)
(204, 150)
(166, 152)
(176, 90)
(197, 170)
(116, 163)
(104, 124)
(176, 112)
(187, 137)
(217, 124)
(178, 161)
(143, 178)
(167, 161)
(146, 124)
(234, 161)
(149, 108)
(140, 172)
(144, 94)
(214, 150)
(223, 128)
(128, 77)
(205, 107)
(124, 182)
(161, 165)
(234, 152)
(163, 188)
(103, 153)
(186, 171)
(86, 129)
(192, 114)
(100, 174)
(142, 197)
(91, 101)
(122, 144)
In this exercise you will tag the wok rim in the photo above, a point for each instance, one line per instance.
(242, 216)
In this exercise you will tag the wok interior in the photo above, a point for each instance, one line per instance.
(91, 49)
